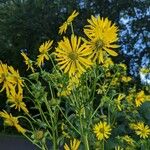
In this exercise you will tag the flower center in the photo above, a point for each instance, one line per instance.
(102, 130)
(143, 132)
(73, 56)
(99, 44)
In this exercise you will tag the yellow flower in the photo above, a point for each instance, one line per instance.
(118, 148)
(63, 28)
(108, 62)
(139, 98)
(102, 130)
(118, 101)
(44, 48)
(16, 100)
(74, 145)
(123, 66)
(64, 92)
(147, 97)
(145, 70)
(129, 98)
(102, 36)
(15, 78)
(27, 61)
(102, 88)
(73, 82)
(38, 135)
(126, 78)
(141, 130)
(64, 133)
(12, 121)
(129, 140)
(72, 56)
(115, 82)
(4, 74)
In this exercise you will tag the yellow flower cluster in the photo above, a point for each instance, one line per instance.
(43, 50)
(10, 78)
(13, 84)
(102, 34)
(77, 54)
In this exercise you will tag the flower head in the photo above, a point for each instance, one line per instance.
(28, 61)
(118, 101)
(123, 66)
(63, 28)
(12, 121)
(102, 130)
(4, 78)
(102, 35)
(74, 145)
(15, 78)
(128, 140)
(73, 83)
(139, 98)
(118, 148)
(16, 100)
(126, 79)
(141, 130)
(108, 62)
(44, 48)
(72, 56)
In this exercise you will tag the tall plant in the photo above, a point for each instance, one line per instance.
(85, 101)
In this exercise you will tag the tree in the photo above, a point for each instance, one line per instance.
(25, 24)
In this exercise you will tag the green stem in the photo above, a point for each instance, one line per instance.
(84, 135)
(44, 118)
(50, 88)
(28, 121)
(28, 89)
(31, 118)
(53, 125)
(53, 63)
(86, 143)
(32, 141)
(94, 84)
(108, 113)
(44, 147)
(104, 95)
(72, 30)
(54, 141)
(68, 120)
(103, 145)
(95, 111)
